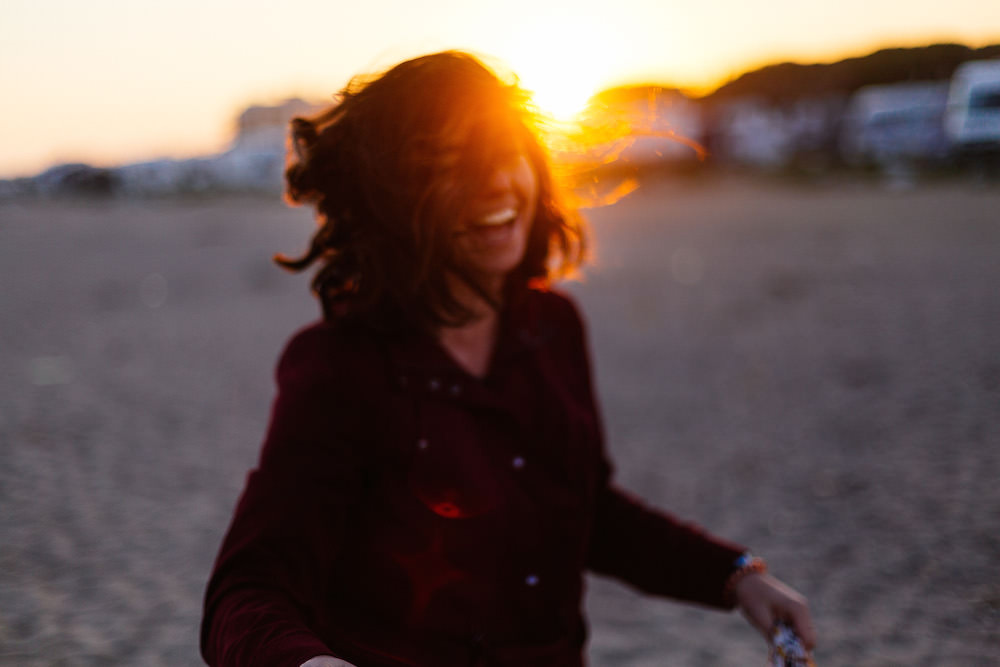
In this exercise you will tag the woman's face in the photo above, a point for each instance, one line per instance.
(491, 240)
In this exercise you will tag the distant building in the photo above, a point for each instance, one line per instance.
(266, 127)
(754, 132)
(254, 161)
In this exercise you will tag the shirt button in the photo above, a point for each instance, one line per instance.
(518, 462)
(433, 384)
(422, 443)
(455, 389)
(531, 580)
(402, 380)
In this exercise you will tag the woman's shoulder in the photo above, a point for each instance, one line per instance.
(553, 307)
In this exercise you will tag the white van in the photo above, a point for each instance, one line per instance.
(972, 119)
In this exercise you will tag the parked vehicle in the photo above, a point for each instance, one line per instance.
(972, 120)
(896, 125)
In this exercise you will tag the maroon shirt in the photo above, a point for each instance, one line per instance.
(405, 512)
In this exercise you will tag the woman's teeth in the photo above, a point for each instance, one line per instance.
(497, 218)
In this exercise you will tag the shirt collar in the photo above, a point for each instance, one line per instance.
(523, 328)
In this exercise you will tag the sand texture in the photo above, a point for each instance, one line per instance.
(811, 370)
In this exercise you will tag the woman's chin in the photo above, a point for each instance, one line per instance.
(495, 252)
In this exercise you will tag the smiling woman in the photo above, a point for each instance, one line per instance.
(414, 175)
(434, 481)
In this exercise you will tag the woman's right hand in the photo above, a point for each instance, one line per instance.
(325, 661)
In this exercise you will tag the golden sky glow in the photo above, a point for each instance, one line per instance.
(107, 81)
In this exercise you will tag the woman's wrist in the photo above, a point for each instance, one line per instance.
(743, 566)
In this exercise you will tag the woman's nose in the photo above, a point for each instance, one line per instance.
(501, 180)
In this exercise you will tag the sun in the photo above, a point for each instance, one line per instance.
(560, 63)
(561, 94)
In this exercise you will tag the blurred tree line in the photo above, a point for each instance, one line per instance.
(788, 82)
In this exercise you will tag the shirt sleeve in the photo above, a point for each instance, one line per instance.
(266, 592)
(645, 546)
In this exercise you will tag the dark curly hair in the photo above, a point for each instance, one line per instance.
(391, 165)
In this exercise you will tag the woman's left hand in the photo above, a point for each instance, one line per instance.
(764, 601)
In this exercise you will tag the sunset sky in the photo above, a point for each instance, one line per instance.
(111, 81)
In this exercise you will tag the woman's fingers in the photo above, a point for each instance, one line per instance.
(760, 616)
(801, 620)
(764, 601)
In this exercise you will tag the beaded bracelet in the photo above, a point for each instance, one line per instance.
(744, 565)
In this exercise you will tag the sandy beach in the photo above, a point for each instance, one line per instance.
(813, 370)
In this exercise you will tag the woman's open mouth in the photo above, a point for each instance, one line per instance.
(494, 228)
(497, 218)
